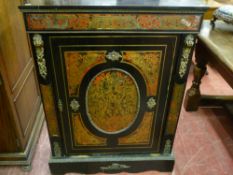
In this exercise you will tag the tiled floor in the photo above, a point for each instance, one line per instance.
(204, 139)
(203, 143)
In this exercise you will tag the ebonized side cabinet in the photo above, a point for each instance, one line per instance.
(112, 76)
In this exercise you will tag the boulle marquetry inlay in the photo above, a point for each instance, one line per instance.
(77, 64)
(118, 72)
(174, 108)
(87, 68)
(97, 21)
(112, 100)
(50, 111)
(148, 63)
(82, 136)
(142, 135)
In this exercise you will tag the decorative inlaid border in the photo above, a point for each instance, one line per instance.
(50, 41)
(49, 108)
(112, 21)
(174, 109)
(82, 136)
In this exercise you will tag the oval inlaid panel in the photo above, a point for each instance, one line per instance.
(112, 100)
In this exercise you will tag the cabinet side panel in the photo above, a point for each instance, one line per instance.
(181, 74)
(49, 107)
(176, 102)
(13, 43)
(7, 136)
(27, 102)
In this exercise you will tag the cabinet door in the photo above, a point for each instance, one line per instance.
(112, 90)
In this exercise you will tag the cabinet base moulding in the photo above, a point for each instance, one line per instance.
(25, 158)
(111, 163)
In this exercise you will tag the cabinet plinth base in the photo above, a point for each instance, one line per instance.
(111, 163)
(24, 158)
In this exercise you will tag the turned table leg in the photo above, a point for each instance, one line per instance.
(212, 22)
(193, 94)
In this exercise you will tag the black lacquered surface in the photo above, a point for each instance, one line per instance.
(199, 4)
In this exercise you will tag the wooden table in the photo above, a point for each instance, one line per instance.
(213, 5)
(214, 47)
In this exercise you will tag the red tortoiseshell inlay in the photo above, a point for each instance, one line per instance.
(95, 21)
(82, 136)
(148, 63)
(142, 134)
(78, 63)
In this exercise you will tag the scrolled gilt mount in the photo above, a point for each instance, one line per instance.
(189, 40)
(39, 49)
(188, 44)
(114, 166)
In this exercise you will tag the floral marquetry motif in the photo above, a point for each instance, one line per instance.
(112, 100)
(95, 21)
(82, 136)
(148, 63)
(49, 108)
(78, 63)
(142, 134)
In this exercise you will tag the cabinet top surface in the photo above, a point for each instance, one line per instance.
(71, 4)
